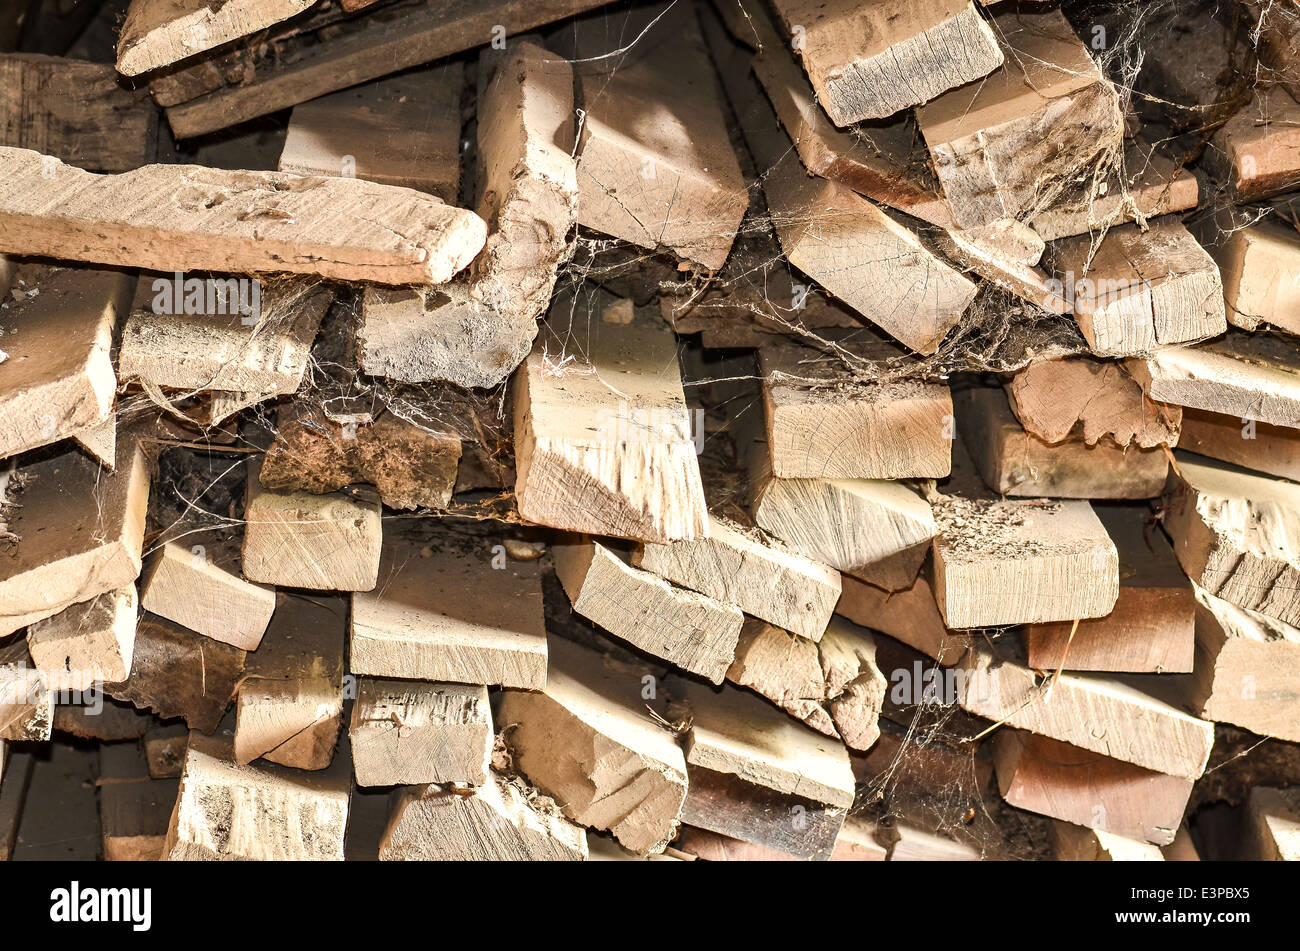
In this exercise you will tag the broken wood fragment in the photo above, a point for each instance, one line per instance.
(26, 700)
(157, 33)
(200, 588)
(1256, 263)
(88, 643)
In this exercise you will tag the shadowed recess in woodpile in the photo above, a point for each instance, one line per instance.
(650, 429)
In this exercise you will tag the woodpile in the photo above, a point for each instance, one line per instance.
(702, 430)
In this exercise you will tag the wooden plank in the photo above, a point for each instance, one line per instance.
(1054, 779)
(664, 177)
(289, 705)
(501, 820)
(1013, 143)
(403, 130)
(999, 561)
(177, 673)
(688, 629)
(846, 244)
(415, 733)
(134, 810)
(1236, 535)
(86, 643)
(834, 685)
(1072, 843)
(1253, 377)
(227, 811)
(1272, 450)
(157, 33)
(199, 334)
(200, 588)
(1092, 398)
(161, 217)
(822, 423)
(1141, 289)
(80, 533)
(1256, 153)
(1246, 668)
(1015, 463)
(378, 46)
(1256, 262)
(736, 567)
(409, 629)
(603, 441)
(1152, 628)
(299, 540)
(870, 61)
(910, 615)
(1006, 253)
(57, 377)
(634, 782)
(409, 465)
(75, 111)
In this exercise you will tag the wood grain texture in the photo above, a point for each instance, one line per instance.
(87, 643)
(1272, 450)
(1256, 153)
(200, 588)
(157, 33)
(186, 217)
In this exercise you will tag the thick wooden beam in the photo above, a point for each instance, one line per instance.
(1272, 450)
(1256, 153)
(88, 643)
(157, 33)
(1256, 262)
(199, 587)
(162, 217)
(588, 740)
(409, 629)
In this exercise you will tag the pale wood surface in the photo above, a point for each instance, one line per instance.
(1257, 264)
(57, 379)
(26, 700)
(1273, 450)
(589, 740)
(686, 628)
(1256, 153)
(199, 587)
(910, 615)
(87, 643)
(411, 629)
(182, 217)
(737, 567)
(1273, 825)
(158, 33)
(1073, 843)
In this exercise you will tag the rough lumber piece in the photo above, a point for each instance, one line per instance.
(588, 740)
(1250, 376)
(1006, 253)
(300, 540)
(501, 820)
(1256, 153)
(414, 733)
(738, 568)
(412, 629)
(227, 811)
(914, 844)
(1145, 185)
(875, 160)
(1000, 561)
(1013, 462)
(93, 716)
(134, 810)
(910, 615)
(214, 334)
(1091, 398)
(1152, 628)
(1058, 780)
(868, 61)
(289, 707)
(1141, 289)
(410, 466)
(100, 441)
(164, 749)
(1073, 843)
(858, 842)
(1258, 264)
(80, 532)
(404, 130)
(200, 588)
(1273, 450)
(1014, 142)
(823, 424)
(186, 217)
(845, 243)
(158, 33)
(703, 845)
(874, 529)
(655, 163)
(1247, 668)
(87, 643)
(378, 46)
(75, 111)
(57, 377)
(1273, 825)
(1237, 535)
(177, 673)
(834, 686)
(603, 442)
(686, 628)
(530, 188)
(26, 700)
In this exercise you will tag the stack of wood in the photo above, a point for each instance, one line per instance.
(698, 430)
